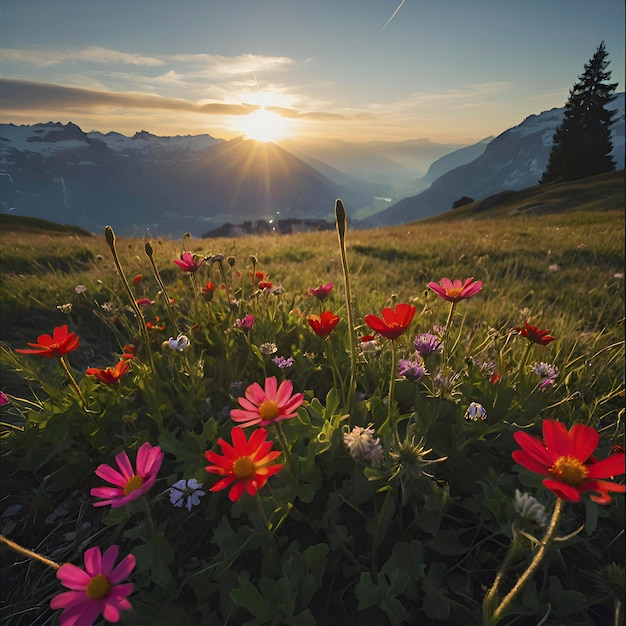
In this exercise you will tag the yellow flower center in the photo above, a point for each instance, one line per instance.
(244, 467)
(136, 482)
(98, 587)
(269, 410)
(454, 293)
(569, 471)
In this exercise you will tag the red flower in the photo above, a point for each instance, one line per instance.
(138, 279)
(209, 287)
(265, 284)
(323, 324)
(189, 262)
(109, 375)
(457, 290)
(247, 462)
(144, 302)
(56, 346)
(566, 458)
(393, 323)
(321, 292)
(157, 325)
(534, 334)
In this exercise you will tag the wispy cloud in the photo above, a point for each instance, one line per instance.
(222, 66)
(46, 57)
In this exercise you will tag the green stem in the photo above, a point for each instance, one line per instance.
(392, 384)
(377, 539)
(72, 380)
(149, 520)
(285, 446)
(340, 217)
(534, 564)
(29, 553)
(336, 373)
(445, 355)
(110, 237)
(262, 510)
(157, 275)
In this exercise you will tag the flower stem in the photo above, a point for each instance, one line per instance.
(72, 380)
(29, 553)
(285, 446)
(392, 384)
(157, 275)
(149, 520)
(445, 355)
(534, 564)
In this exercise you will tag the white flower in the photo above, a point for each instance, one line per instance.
(178, 344)
(80, 289)
(268, 348)
(529, 509)
(186, 492)
(362, 445)
(65, 308)
(475, 412)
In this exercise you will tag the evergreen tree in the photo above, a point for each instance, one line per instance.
(582, 143)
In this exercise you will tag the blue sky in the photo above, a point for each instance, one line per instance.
(453, 71)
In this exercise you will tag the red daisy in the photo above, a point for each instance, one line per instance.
(323, 324)
(393, 323)
(534, 334)
(247, 463)
(566, 458)
(61, 342)
(109, 375)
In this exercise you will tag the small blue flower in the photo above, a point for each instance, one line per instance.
(186, 492)
(475, 412)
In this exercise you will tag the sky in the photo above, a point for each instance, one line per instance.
(451, 71)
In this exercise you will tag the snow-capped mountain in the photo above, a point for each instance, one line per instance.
(514, 160)
(169, 185)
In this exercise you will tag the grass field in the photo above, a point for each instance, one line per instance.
(334, 538)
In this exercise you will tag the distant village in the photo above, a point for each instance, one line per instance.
(261, 227)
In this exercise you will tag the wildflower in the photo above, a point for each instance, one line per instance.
(547, 372)
(209, 288)
(245, 323)
(189, 262)
(186, 492)
(96, 589)
(109, 375)
(247, 463)
(322, 291)
(236, 388)
(455, 291)
(80, 289)
(217, 258)
(618, 275)
(65, 308)
(108, 307)
(413, 371)
(529, 509)
(144, 302)
(409, 457)
(475, 411)
(362, 446)
(534, 334)
(427, 344)
(282, 362)
(257, 277)
(446, 382)
(157, 326)
(60, 343)
(178, 344)
(323, 324)
(265, 284)
(485, 367)
(129, 351)
(128, 485)
(554, 267)
(566, 458)
(267, 406)
(368, 344)
(138, 278)
(268, 348)
(393, 323)
(3, 398)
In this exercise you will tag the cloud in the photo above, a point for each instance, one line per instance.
(20, 95)
(46, 57)
(221, 66)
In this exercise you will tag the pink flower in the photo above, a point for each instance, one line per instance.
(189, 262)
(457, 290)
(96, 589)
(321, 292)
(245, 323)
(129, 485)
(3, 398)
(267, 406)
(144, 302)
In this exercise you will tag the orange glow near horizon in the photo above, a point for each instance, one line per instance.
(264, 126)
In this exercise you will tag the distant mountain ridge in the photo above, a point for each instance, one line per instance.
(514, 160)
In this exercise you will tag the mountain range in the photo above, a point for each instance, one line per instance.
(170, 185)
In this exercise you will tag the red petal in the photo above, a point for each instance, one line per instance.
(607, 468)
(583, 440)
(556, 437)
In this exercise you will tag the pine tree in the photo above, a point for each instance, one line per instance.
(582, 143)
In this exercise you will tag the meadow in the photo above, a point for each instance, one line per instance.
(386, 481)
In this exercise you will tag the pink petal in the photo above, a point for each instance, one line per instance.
(556, 437)
(124, 464)
(270, 388)
(583, 440)
(247, 405)
(106, 492)
(108, 561)
(123, 570)
(67, 598)
(73, 577)
(607, 468)
(93, 561)
(255, 394)
(106, 472)
(284, 393)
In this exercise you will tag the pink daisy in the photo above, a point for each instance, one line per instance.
(271, 405)
(130, 484)
(456, 290)
(94, 590)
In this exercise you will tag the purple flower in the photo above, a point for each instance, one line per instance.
(3, 398)
(547, 372)
(413, 371)
(321, 292)
(427, 344)
(282, 362)
(245, 323)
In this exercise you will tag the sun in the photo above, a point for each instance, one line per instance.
(263, 125)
